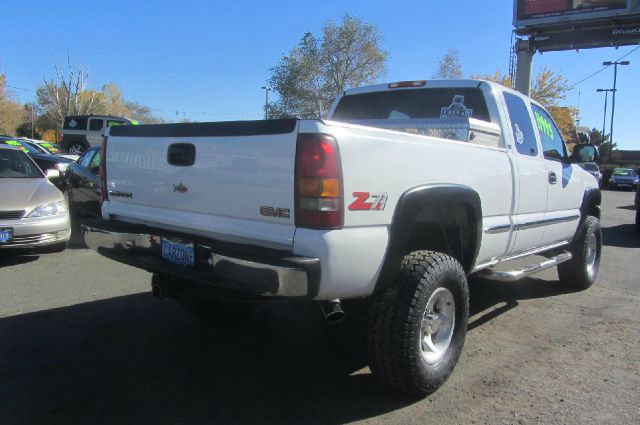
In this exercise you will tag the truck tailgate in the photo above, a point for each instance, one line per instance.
(239, 186)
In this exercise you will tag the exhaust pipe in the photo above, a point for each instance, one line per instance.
(332, 311)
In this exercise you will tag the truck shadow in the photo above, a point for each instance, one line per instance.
(135, 360)
(621, 236)
(132, 359)
(490, 299)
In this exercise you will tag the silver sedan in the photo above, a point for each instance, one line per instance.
(33, 212)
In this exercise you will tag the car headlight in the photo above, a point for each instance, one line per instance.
(47, 210)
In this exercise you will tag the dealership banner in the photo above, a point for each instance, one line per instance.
(562, 10)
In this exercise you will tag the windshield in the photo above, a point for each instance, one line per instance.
(460, 102)
(624, 172)
(52, 148)
(20, 145)
(15, 164)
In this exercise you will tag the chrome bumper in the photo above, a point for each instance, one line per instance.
(37, 232)
(251, 272)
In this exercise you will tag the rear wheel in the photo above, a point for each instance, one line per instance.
(417, 327)
(581, 271)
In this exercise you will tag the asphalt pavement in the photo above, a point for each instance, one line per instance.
(82, 341)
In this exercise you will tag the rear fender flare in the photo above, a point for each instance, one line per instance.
(409, 206)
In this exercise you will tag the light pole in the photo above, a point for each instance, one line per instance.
(266, 100)
(606, 94)
(613, 98)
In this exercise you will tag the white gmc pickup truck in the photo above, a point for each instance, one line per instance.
(405, 191)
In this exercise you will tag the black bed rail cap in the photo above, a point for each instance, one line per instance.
(206, 129)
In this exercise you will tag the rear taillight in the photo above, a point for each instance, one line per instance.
(104, 192)
(318, 183)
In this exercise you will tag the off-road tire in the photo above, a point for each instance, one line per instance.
(581, 271)
(394, 335)
(216, 312)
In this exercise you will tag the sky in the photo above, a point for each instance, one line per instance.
(209, 59)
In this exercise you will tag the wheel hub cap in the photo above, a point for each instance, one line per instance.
(592, 251)
(438, 322)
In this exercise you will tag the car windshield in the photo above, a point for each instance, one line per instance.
(23, 146)
(627, 172)
(52, 148)
(15, 164)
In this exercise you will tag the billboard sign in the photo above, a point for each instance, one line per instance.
(532, 12)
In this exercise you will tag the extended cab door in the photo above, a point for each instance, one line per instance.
(565, 191)
(530, 197)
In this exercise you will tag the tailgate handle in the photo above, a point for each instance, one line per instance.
(181, 154)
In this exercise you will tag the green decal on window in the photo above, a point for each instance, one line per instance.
(544, 125)
(16, 144)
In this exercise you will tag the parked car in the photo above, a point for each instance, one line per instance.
(626, 178)
(33, 212)
(44, 160)
(82, 186)
(402, 193)
(50, 148)
(80, 132)
(593, 169)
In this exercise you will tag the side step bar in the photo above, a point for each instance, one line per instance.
(513, 275)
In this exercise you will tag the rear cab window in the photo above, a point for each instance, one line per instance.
(449, 102)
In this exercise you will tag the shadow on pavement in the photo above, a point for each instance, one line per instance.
(622, 236)
(15, 257)
(627, 207)
(489, 299)
(136, 360)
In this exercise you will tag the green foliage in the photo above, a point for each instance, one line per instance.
(449, 67)
(317, 70)
(11, 112)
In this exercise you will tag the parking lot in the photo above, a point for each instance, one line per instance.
(82, 341)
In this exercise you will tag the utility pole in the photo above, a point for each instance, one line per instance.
(266, 101)
(613, 99)
(604, 119)
(31, 120)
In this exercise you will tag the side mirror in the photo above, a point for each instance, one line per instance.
(585, 153)
(52, 174)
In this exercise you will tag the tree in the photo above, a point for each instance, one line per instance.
(317, 70)
(607, 150)
(66, 94)
(11, 112)
(449, 67)
(549, 89)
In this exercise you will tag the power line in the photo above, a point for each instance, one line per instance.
(603, 68)
(175, 111)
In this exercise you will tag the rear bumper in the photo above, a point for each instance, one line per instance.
(247, 269)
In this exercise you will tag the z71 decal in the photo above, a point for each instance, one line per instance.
(366, 201)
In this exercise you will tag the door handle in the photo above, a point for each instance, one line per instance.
(553, 179)
(181, 154)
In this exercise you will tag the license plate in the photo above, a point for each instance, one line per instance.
(178, 252)
(6, 234)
